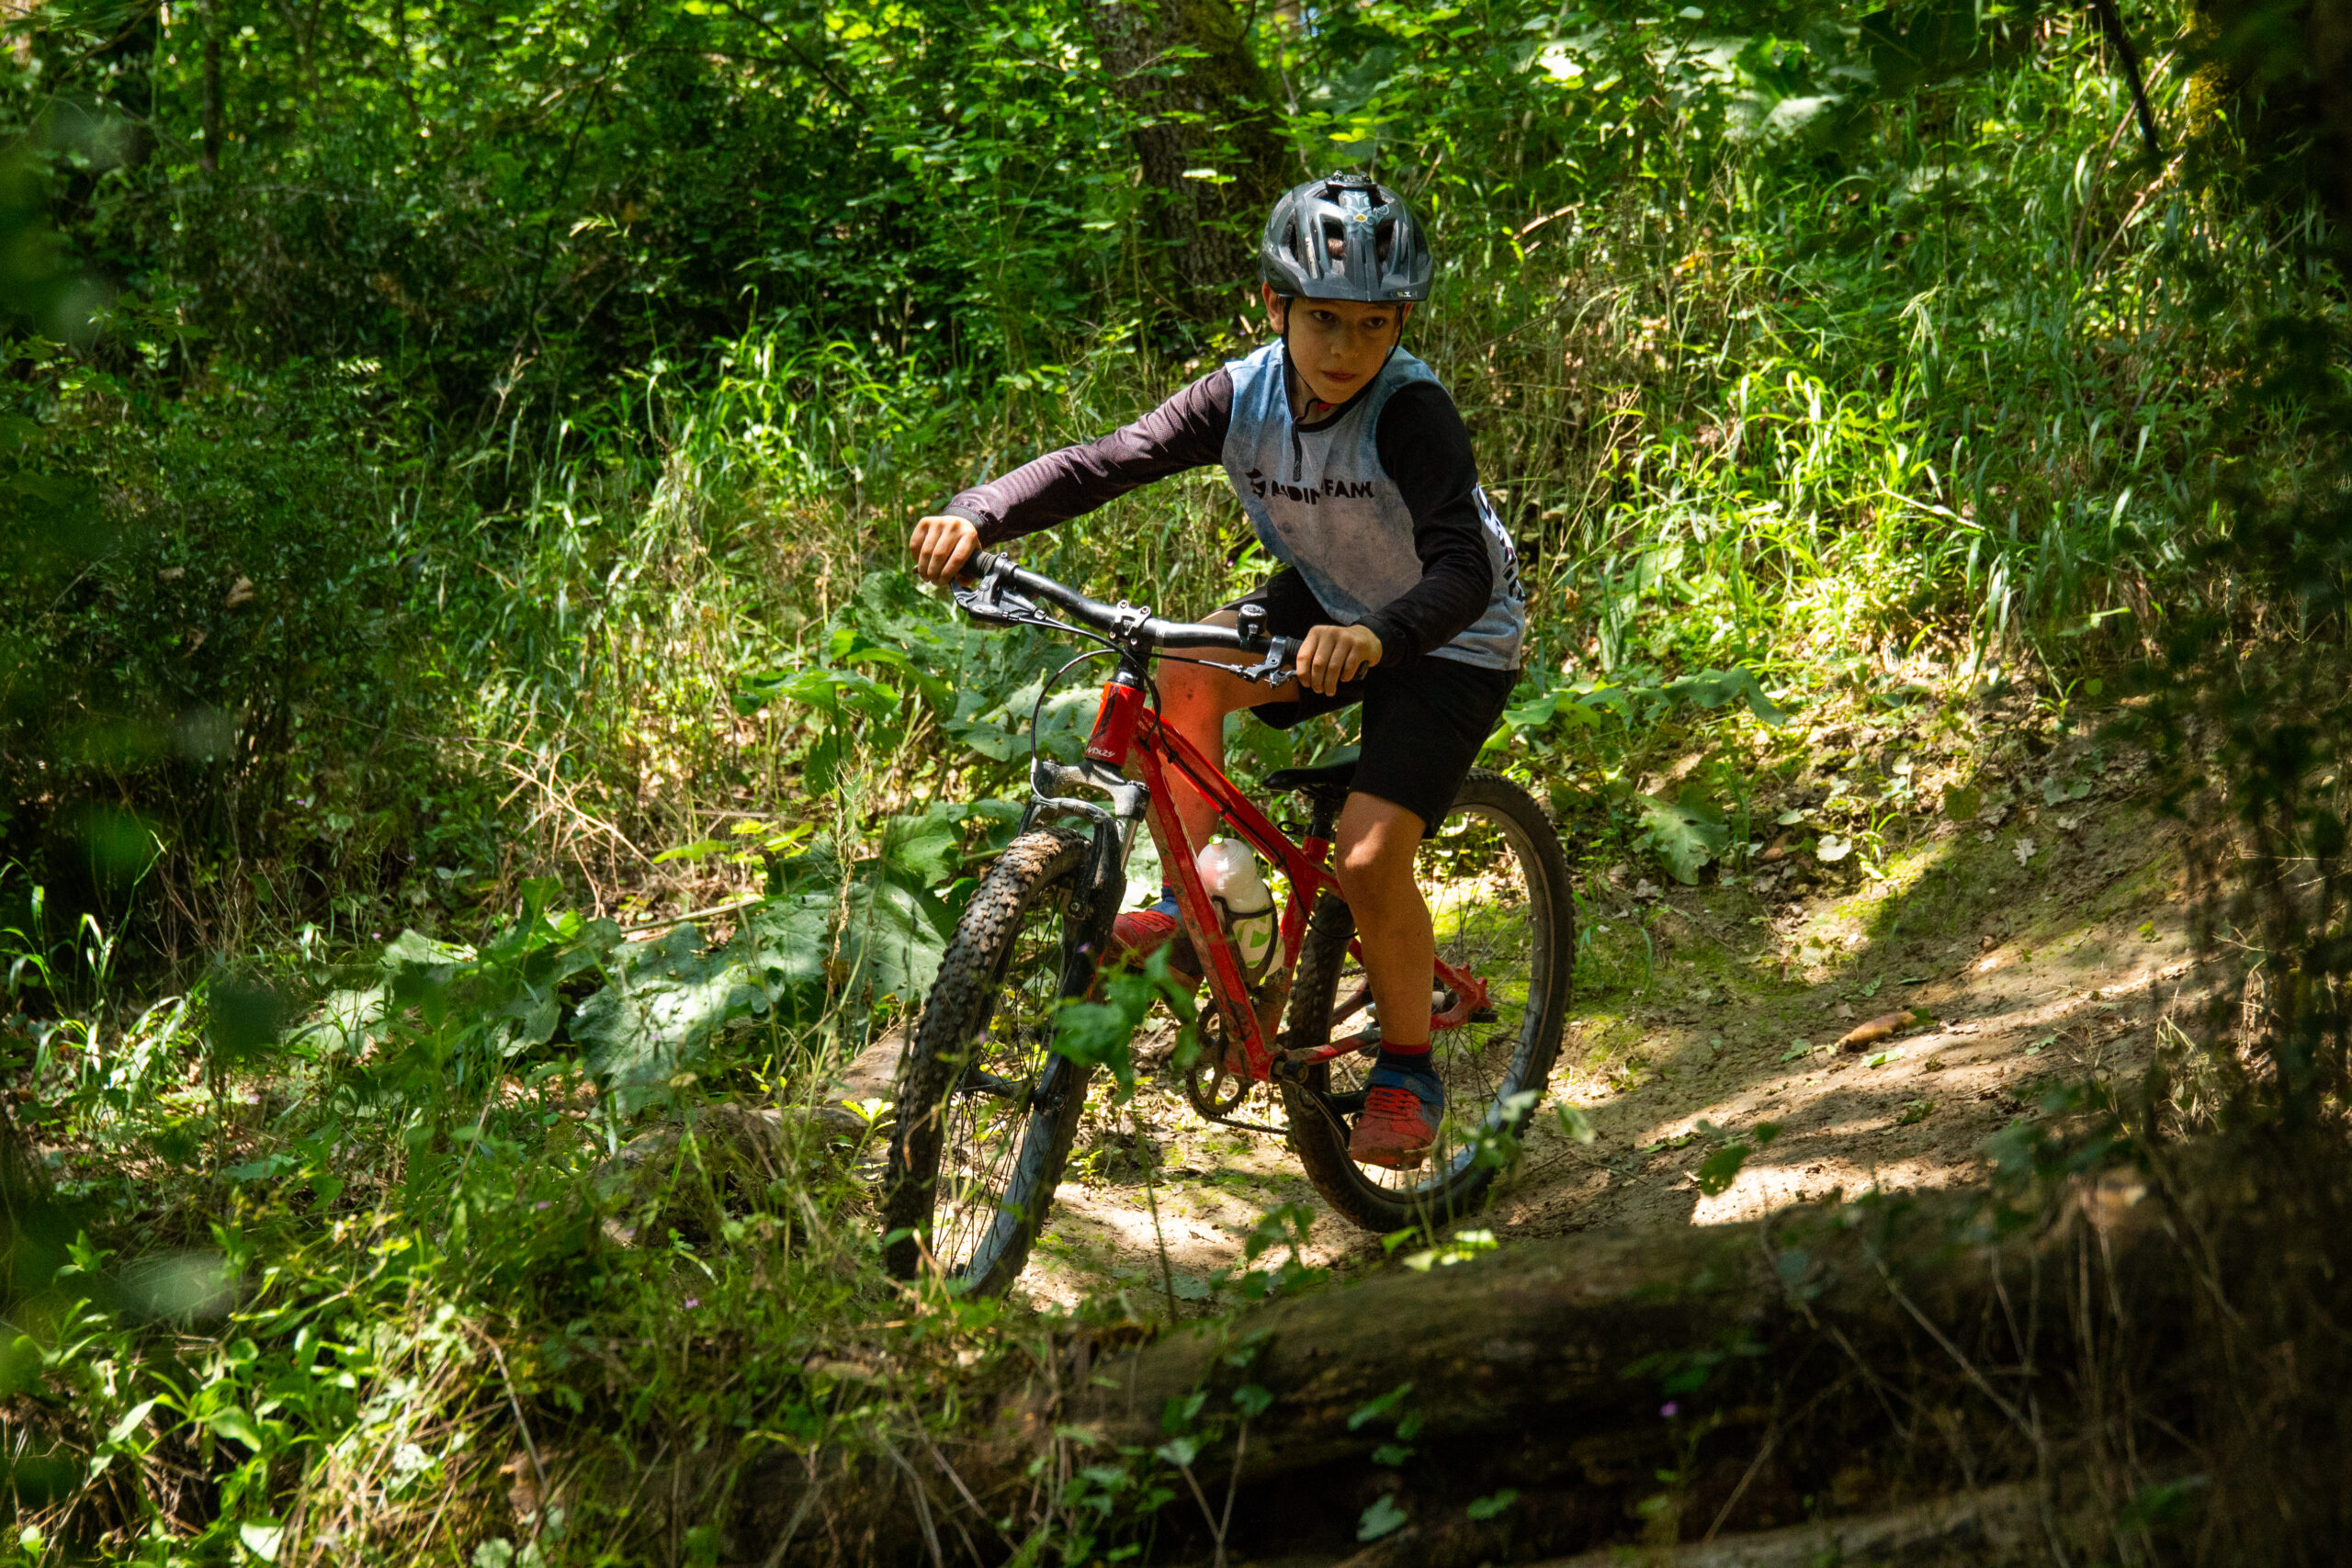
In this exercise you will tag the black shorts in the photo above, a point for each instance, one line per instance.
(1423, 725)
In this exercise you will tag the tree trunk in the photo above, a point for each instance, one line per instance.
(1630, 1387)
(1207, 139)
(2280, 78)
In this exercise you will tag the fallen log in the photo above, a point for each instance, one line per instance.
(1562, 1396)
(1997, 1523)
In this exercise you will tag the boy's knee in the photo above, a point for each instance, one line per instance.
(1371, 869)
(1188, 687)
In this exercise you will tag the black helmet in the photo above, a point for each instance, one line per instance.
(1345, 238)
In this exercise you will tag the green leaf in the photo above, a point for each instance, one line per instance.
(1720, 1169)
(894, 931)
(665, 1002)
(1919, 45)
(1096, 1034)
(1379, 1408)
(1713, 688)
(261, 1538)
(1574, 1122)
(1383, 1518)
(1483, 1508)
(132, 1419)
(234, 1423)
(926, 848)
(701, 848)
(1685, 836)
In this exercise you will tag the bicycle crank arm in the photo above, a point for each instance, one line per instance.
(1315, 1055)
(1465, 998)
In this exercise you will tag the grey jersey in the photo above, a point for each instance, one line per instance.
(1321, 502)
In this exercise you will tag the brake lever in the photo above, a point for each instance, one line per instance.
(991, 601)
(1275, 668)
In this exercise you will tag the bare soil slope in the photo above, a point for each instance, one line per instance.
(2037, 944)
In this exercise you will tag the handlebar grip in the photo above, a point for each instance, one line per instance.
(977, 566)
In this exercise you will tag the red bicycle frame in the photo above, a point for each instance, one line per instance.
(1127, 731)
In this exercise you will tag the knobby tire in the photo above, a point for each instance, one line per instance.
(1032, 889)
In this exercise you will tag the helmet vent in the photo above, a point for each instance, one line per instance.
(1371, 246)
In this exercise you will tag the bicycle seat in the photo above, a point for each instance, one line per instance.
(1327, 782)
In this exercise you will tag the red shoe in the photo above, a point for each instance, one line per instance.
(1398, 1127)
(1139, 933)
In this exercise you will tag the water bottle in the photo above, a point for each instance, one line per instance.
(1235, 886)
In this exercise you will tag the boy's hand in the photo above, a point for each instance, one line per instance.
(1331, 655)
(941, 545)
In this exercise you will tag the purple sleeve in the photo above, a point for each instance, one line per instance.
(1185, 432)
(1425, 448)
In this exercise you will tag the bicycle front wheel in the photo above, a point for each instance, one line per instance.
(1502, 909)
(986, 1111)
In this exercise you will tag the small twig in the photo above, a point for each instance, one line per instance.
(775, 1557)
(949, 1471)
(1159, 1238)
(1232, 1485)
(1207, 1516)
(1954, 1351)
(1762, 1453)
(922, 1502)
(731, 904)
(1878, 1387)
(529, 1447)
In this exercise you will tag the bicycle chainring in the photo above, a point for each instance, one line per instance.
(1214, 1090)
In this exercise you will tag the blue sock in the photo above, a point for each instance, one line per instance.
(1167, 905)
(1408, 1070)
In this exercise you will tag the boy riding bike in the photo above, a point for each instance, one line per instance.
(1398, 583)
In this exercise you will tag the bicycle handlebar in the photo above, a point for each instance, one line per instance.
(1125, 624)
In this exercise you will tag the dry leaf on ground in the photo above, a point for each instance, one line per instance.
(1871, 1031)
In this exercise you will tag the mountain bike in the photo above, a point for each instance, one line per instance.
(986, 1111)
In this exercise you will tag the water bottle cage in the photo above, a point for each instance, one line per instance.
(1252, 970)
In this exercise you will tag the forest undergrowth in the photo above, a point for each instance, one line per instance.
(472, 825)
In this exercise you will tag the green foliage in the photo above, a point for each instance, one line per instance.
(485, 459)
(1686, 834)
(1097, 1034)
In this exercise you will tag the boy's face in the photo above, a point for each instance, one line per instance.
(1337, 344)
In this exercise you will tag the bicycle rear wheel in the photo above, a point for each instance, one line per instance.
(986, 1111)
(1500, 900)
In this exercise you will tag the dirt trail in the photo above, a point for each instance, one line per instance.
(2043, 941)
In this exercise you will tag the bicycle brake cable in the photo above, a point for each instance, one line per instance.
(1037, 713)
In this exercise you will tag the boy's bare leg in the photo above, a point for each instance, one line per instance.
(1375, 847)
(1404, 1097)
(1375, 852)
(1193, 701)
